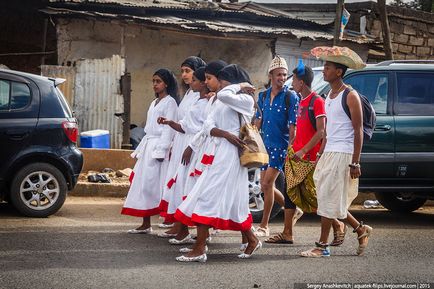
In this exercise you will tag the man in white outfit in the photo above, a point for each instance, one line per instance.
(338, 169)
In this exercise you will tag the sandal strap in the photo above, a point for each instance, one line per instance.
(359, 226)
(321, 245)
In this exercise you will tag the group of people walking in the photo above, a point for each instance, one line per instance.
(188, 168)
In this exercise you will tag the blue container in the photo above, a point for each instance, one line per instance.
(95, 139)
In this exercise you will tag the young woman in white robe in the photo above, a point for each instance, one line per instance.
(220, 196)
(180, 140)
(190, 125)
(144, 195)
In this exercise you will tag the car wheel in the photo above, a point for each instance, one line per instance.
(400, 202)
(38, 190)
(256, 196)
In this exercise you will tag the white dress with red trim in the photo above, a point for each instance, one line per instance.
(174, 189)
(220, 197)
(144, 195)
(203, 147)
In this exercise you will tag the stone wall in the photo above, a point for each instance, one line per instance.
(412, 32)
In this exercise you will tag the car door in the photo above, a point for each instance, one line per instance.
(414, 121)
(19, 108)
(377, 158)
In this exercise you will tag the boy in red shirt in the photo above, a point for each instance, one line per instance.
(309, 132)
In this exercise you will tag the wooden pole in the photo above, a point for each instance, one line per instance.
(126, 92)
(385, 29)
(339, 8)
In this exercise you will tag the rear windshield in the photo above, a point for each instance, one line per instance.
(65, 106)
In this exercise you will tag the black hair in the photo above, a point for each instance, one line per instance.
(234, 74)
(340, 66)
(193, 62)
(306, 75)
(169, 79)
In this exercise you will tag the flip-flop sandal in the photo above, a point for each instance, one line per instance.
(339, 237)
(278, 239)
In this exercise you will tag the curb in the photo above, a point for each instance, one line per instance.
(120, 190)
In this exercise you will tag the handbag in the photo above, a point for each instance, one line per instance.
(253, 154)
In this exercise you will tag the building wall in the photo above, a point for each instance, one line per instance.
(147, 50)
(412, 33)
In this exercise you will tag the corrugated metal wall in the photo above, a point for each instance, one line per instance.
(98, 96)
(66, 72)
(293, 50)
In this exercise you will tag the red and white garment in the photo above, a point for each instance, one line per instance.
(191, 110)
(220, 197)
(144, 195)
(203, 147)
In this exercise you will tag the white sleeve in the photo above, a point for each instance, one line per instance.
(168, 133)
(193, 121)
(242, 103)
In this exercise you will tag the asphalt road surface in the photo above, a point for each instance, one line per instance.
(85, 245)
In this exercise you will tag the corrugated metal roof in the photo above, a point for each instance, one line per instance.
(219, 19)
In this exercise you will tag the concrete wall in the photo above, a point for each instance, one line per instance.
(147, 50)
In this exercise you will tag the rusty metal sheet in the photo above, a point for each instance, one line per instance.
(98, 96)
(66, 72)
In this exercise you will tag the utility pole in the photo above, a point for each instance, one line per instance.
(387, 42)
(339, 9)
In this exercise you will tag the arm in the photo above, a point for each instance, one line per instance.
(292, 116)
(240, 102)
(166, 137)
(174, 125)
(319, 112)
(259, 109)
(233, 139)
(355, 106)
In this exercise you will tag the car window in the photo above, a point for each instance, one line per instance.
(415, 93)
(5, 89)
(375, 86)
(13, 95)
(20, 95)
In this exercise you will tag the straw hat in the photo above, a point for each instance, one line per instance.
(277, 62)
(337, 54)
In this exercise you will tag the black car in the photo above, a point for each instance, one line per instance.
(39, 159)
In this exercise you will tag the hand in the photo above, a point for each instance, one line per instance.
(160, 160)
(163, 120)
(298, 156)
(210, 94)
(355, 172)
(236, 141)
(247, 88)
(186, 156)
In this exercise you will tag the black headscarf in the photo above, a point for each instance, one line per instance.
(214, 67)
(200, 73)
(193, 62)
(234, 74)
(169, 79)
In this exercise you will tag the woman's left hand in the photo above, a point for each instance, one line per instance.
(236, 141)
(355, 172)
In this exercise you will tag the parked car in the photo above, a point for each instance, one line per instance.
(39, 159)
(398, 162)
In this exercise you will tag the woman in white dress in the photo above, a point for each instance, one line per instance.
(188, 126)
(144, 196)
(174, 180)
(220, 197)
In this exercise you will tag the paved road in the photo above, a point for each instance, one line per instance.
(85, 246)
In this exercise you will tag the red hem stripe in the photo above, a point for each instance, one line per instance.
(140, 213)
(216, 223)
(131, 177)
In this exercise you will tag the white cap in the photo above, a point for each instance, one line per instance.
(277, 62)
